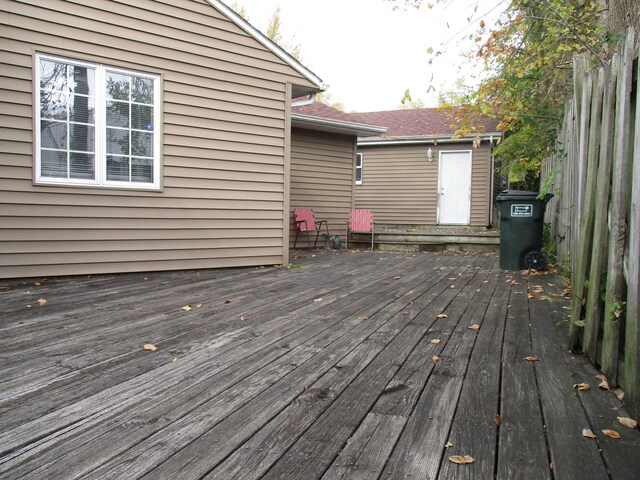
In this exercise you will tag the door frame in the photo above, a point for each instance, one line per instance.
(440, 161)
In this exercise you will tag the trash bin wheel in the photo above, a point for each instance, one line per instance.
(535, 260)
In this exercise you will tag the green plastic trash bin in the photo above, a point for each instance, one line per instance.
(521, 226)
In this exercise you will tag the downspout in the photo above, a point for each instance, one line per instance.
(308, 101)
(493, 178)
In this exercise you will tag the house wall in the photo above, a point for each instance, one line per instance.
(322, 178)
(400, 185)
(225, 108)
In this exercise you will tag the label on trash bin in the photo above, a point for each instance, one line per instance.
(522, 210)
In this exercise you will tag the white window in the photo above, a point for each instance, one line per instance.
(96, 125)
(359, 168)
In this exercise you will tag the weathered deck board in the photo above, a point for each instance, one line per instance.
(330, 375)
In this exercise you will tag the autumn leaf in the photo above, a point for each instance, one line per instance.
(150, 347)
(628, 422)
(363, 317)
(435, 359)
(435, 341)
(532, 359)
(604, 385)
(498, 420)
(452, 286)
(588, 433)
(42, 301)
(37, 284)
(582, 386)
(601, 377)
(448, 445)
(396, 278)
(226, 302)
(533, 296)
(199, 305)
(618, 392)
(243, 318)
(318, 300)
(475, 326)
(611, 433)
(461, 459)
(186, 308)
(442, 315)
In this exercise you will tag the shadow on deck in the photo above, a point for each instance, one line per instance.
(354, 365)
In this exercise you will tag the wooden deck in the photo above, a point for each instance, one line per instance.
(353, 366)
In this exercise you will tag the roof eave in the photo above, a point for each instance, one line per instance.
(335, 126)
(428, 139)
(273, 47)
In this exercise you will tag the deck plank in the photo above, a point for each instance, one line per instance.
(329, 375)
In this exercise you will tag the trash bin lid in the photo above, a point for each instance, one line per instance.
(520, 195)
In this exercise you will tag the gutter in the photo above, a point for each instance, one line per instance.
(431, 139)
(335, 126)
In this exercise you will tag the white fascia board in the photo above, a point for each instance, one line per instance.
(335, 126)
(272, 46)
(431, 139)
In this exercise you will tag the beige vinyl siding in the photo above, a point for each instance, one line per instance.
(400, 185)
(322, 177)
(224, 100)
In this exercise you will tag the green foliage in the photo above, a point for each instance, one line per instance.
(527, 56)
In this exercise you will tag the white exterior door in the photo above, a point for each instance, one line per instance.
(454, 188)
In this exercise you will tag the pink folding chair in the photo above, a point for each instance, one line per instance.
(360, 221)
(306, 221)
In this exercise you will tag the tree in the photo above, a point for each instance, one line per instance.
(527, 57)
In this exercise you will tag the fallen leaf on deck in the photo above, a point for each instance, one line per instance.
(461, 459)
(618, 392)
(174, 359)
(243, 318)
(628, 422)
(448, 445)
(363, 317)
(604, 385)
(486, 281)
(582, 386)
(533, 296)
(452, 286)
(532, 359)
(588, 433)
(611, 433)
(475, 326)
(42, 301)
(601, 377)
(318, 300)
(498, 420)
(150, 347)
(37, 284)
(396, 278)
(186, 308)
(442, 315)
(199, 305)
(435, 341)
(226, 302)
(435, 359)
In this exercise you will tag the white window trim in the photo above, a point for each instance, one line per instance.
(100, 129)
(361, 157)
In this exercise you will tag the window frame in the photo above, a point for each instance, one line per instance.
(100, 127)
(360, 157)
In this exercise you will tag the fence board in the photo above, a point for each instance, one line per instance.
(632, 332)
(618, 213)
(593, 313)
(588, 210)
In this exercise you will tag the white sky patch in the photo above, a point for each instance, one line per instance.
(370, 54)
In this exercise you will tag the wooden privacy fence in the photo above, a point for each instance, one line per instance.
(595, 218)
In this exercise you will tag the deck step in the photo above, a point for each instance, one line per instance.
(421, 241)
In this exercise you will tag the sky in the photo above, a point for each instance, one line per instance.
(370, 54)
